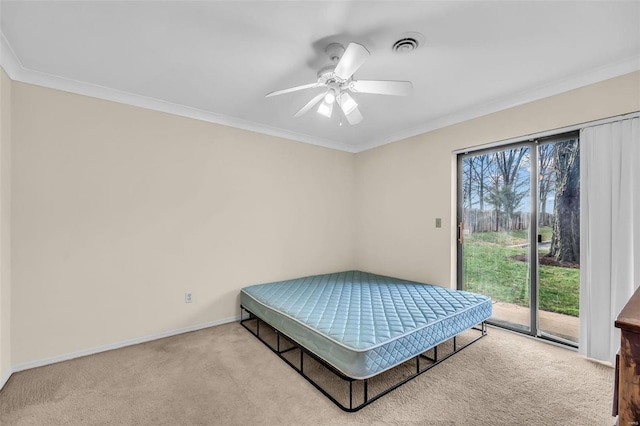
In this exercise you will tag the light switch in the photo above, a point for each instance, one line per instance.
(438, 222)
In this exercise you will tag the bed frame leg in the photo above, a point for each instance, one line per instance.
(350, 394)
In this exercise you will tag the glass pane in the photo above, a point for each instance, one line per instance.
(496, 215)
(559, 238)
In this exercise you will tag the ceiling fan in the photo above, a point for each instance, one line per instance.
(338, 79)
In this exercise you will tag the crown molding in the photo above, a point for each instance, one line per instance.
(17, 72)
(8, 59)
(606, 72)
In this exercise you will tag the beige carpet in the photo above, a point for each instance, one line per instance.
(225, 376)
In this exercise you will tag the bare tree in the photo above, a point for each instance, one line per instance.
(546, 181)
(508, 186)
(481, 170)
(475, 181)
(467, 182)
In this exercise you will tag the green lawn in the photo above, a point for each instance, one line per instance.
(491, 269)
(508, 238)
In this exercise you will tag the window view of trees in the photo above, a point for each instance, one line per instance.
(496, 194)
(497, 191)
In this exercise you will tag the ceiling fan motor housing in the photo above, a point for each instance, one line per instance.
(326, 73)
(335, 51)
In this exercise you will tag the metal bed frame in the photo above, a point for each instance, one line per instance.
(295, 356)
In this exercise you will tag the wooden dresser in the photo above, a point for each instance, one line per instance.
(626, 400)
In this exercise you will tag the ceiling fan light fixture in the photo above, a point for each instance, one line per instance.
(330, 97)
(347, 103)
(325, 109)
(337, 78)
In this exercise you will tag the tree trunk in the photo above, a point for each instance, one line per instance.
(484, 160)
(546, 179)
(565, 242)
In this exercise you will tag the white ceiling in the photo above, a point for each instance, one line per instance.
(215, 60)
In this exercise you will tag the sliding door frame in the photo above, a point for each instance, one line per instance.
(532, 144)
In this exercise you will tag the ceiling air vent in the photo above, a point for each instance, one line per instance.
(408, 42)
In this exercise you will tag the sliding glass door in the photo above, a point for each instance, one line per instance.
(518, 234)
(559, 246)
(495, 232)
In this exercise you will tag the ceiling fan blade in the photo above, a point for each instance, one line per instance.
(309, 105)
(354, 117)
(380, 87)
(292, 89)
(351, 60)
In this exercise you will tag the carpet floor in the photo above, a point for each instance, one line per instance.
(225, 376)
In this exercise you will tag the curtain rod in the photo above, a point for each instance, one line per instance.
(548, 132)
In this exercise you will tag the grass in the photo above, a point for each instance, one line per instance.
(491, 269)
(508, 238)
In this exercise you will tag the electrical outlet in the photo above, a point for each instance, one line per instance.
(438, 222)
(188, 298)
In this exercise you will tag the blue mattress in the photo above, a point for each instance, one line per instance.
(362, 323)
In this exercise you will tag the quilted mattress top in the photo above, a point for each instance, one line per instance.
(361, 310)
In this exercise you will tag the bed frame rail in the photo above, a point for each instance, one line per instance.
(351, 394)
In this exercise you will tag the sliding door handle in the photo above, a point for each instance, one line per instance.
(461, 232)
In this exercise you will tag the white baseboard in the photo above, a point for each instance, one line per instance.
(5, 378)
(117, 345)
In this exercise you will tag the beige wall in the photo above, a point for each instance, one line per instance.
(118, 211)
(5, 226)
(402, 187)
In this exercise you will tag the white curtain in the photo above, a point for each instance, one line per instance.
(610, 231)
